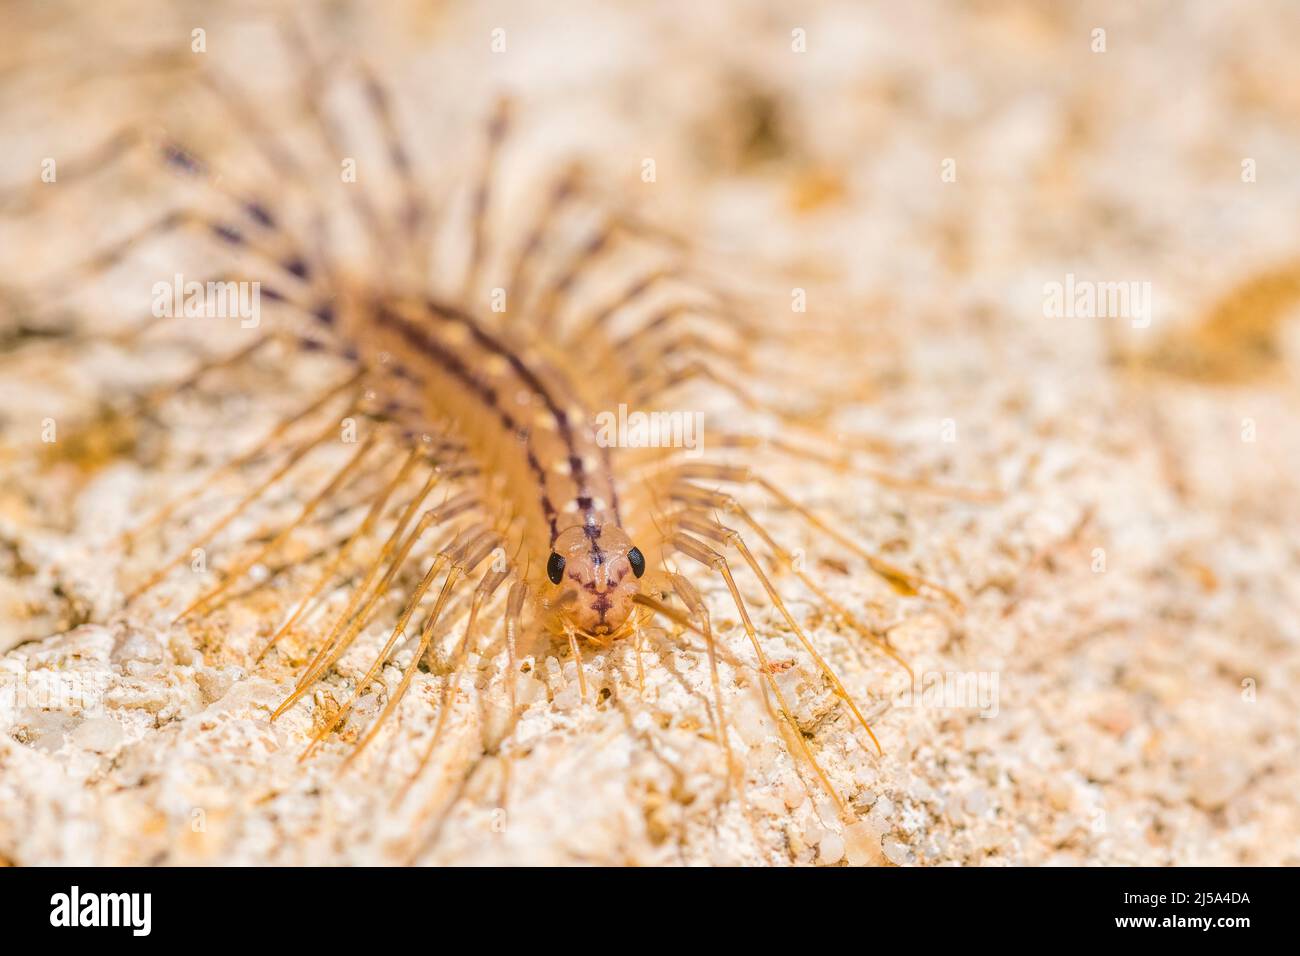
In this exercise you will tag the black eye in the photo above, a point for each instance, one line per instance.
(637, 560)
(555, 568)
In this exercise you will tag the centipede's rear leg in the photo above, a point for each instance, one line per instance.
(208, 601)
(271, 442)
(560, 195)
(343, 551)
(291, 461)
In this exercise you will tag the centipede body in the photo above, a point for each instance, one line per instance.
(486, 510)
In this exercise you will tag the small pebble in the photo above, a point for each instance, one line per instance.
(898, 852)
(830, 850)
(100, 734)
(861, 844)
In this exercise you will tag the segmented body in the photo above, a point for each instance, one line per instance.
(498, 407)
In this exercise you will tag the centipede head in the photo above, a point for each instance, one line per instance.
(595, 573)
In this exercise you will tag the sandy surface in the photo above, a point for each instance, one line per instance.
(1121, 677)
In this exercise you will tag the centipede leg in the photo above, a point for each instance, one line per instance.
(696, 497)
(463, 554)
(514, 615)
(658, 381)
(340, 638)
(268, 442)
(395, 547)
(714, 561)
(280, 160)
(363, 600)
(341, 553)
(481, 200)
(312, 86)
(561, 193)
(223, 231)
(698, 610)
(23, 200)
(558, 290)
(711, 528)
(901, 580)
(296, 456)
(491, 581)
(205, 602)
(633, 292)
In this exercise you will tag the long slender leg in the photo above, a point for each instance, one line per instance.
(903, 581)
(395, 543)
(660, 380)
(205, 602)
(842, 461)
(632, 293)
(472, 545)
(711, 559)
(21, 200)
(689, 596)
(659, 337)
(280, 159)
(514, 604)
(162, 393)
(223, 231)
(294, 458)
(498, 127)
(715, 530)
(490, 582)
(340, 554)
(562, 192)
(312, 87)
(589, 251)
(709, 500)
(251, 211)
(339, 643)
(514, 614)
(271, 440)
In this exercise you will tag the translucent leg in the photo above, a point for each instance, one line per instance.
(711, 528)
(295, 456)
(703, 498)
(689, 596)
(562, 192)
(269, 442)
(341, 639)
(902, 581)
(468, 549)
(496, 134)
(341, 553)
(701, 552)
(490, 582)
(206, 602)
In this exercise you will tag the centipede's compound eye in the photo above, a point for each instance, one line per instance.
(555, 568)
(637, 560)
